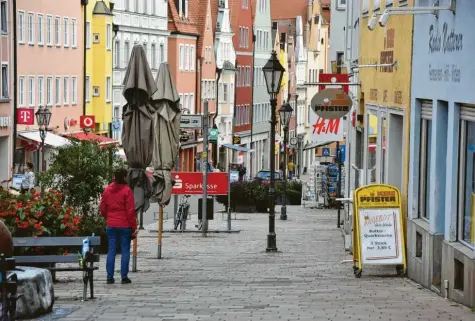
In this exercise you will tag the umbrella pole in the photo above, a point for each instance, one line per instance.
(160, 232)
(134, 252)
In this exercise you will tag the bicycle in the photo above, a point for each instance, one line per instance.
(182, 212)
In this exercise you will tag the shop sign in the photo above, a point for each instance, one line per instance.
(237, 140)
(335, 79)
(191, 121)
(191, 183)
(26, 116)
(213, 135)
(16, 181)
(378, 226)
(331, 103)
(88, 121)
(325, 130)
(116, 126)
(68, 123)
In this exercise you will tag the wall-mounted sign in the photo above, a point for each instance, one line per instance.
(326, 151)
(68, 123)
(331, 103)
(88, 121)
(5, 122)
(293, 141)
(213, 135)
(25, 116)
(191, 121)
(116, 126)
(236, 140)
(191, 183)
(334, 79)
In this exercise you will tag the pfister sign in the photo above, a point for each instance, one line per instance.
(191, 183)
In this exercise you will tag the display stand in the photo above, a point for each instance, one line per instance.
(378, 233)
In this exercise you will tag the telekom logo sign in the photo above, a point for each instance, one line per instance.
(26, 116)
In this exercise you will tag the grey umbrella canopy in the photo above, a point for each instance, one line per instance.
(166, 122)
(138, 132)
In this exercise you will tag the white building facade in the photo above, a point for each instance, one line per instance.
(139, 22)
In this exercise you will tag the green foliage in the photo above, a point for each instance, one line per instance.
(80, 172)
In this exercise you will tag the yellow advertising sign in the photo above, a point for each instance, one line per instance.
(378, 230)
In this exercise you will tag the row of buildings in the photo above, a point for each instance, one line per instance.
(72, 58)
(415, 118)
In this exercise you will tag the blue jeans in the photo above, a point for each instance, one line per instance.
(124, 236)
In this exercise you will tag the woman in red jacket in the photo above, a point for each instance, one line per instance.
(118, 207)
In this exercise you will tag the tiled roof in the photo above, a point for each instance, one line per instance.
(180, 24)
(214, 14)
(253, 9)
(288, 10)
(101, 8)
(234, 12)
(198, 11)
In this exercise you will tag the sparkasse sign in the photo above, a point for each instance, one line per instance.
(331, 103)
(191, 183)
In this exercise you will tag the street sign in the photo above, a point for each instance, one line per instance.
(87, 121)
(26, 116)
(334, 79)
(326, 151)
(213, 135)
(233, 176)
(191, 183)
(191, 121)
(293, 141)
(236, 140)
(116, 126)
(331, 103)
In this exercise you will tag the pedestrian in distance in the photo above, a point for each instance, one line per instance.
(118, 207)
(28, 182)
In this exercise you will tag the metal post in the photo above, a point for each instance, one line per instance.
(134, 252)
(229, 197)
(175, 197)
(205, 170)
(160, 232)
(271, 237)
(338, 188)
(283, 209)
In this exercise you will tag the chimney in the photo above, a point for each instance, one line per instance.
(307, 22)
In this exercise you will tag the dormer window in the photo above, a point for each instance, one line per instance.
(182, 7)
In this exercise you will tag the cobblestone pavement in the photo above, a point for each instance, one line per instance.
(231, 277)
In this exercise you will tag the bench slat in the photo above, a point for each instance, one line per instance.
(47, 259)
(54, 241)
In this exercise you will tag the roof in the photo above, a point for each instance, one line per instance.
(101, 140)
(198, 11)
(101, 8)
(288, 10)
(181, 24)
(214, 14)
(253, 9)
(51, 139)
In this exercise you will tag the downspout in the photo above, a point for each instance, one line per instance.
(252, 91)
(15, 76)
(84, 59)
(198, 95)
(215, 145)
(234, 108)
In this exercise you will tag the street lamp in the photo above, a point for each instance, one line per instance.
(43, 117)
(285, 114)
(273, 72)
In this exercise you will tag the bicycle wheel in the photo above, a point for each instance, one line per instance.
(178, 219)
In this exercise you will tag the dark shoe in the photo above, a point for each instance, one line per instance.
(126, 281)
(112, 281)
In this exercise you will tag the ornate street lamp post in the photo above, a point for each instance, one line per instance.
(285, 112)
(43, 117)
(273, 72)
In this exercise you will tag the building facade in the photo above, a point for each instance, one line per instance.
(261, 110)
(50, 71)
(98, 82)
(138, 22)
(338, 23)
(6, 101)
(242, 23)
(441, 210)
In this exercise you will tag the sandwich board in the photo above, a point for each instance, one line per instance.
(378, 228)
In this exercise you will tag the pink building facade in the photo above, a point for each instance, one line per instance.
(6, 93)
(50, 71)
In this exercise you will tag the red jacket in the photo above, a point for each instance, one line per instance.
(118, 206)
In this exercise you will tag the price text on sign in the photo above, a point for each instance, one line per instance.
(191, 183)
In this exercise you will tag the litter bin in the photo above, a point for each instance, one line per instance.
(209, 208)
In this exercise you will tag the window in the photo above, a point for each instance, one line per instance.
(49, 91)
(182, 57)
(31, 91)
(21, 27)
(74, 38)
(192, 58)
(162, 53)
(136, 2)
(108, 36)
(66, 90)
(108, 89)
(117, 54)
(192, 103)
(66, 31)
(466, 202)
(154, 56)
(49, 30)
(57, 91)
(31, 30)
(88, 34)
(341, 4)
(126, 52)
(154, 7)
(127, 5)
(88, 89)
(57, 31)
(145, 7)
(74, 98)
(4, 16)
(41, 88)
(225, 93)
(21, 87)
(187, 57)
(41, 30)
(390, 3)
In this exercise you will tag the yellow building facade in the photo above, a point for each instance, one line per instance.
(385, 74)
(98, 83)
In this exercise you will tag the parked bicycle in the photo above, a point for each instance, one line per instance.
(182, 213)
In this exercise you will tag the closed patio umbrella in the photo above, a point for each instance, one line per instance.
(138, 131)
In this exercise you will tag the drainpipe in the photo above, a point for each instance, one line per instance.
(84, 58)
(215, 145)
(252, 93)
(197, 99)
(15, 76)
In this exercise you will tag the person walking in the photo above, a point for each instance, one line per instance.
(28, 181)
(118, 207)
(291, 168)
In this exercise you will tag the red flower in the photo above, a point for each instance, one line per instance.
(19, 205)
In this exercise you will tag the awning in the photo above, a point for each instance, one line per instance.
(313, 145)
(101, 140)
(51, 139)
(236, 147)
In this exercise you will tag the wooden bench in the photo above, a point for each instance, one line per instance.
(8, 288)
(88, 267)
